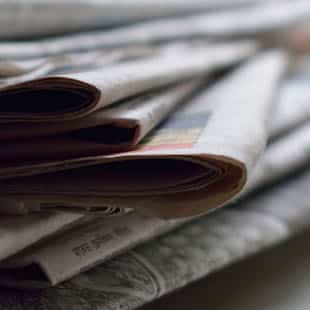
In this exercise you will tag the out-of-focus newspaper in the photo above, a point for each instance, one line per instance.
(99, 240)
(179, 258)
(257, 21)
(26, 18)
(204, 149)
(293, 101)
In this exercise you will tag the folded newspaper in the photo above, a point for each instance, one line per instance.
(119, 127)
(21, 18)
(201, 150)
(86, 241)
(266, 18)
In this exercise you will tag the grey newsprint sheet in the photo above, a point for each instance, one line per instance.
(182, 257)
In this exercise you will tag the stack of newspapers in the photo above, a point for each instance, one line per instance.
(146, 144)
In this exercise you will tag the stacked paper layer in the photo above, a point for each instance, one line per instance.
(123, 125)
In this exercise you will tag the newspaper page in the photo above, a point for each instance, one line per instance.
(179, 258)
(272, 16)
(200, 150)
(28, 18)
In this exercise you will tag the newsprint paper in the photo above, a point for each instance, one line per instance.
(179, 258)
(203, 150)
